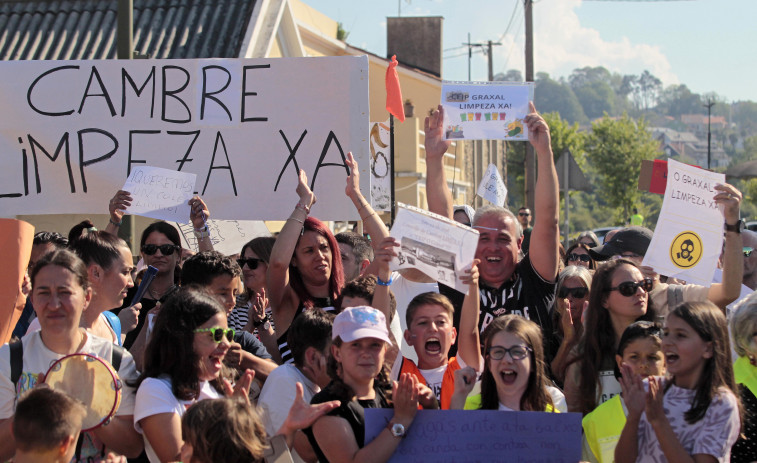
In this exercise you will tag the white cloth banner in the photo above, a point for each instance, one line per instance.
(688, 238)
(71, 132)
(492, 188)
(160, 193)
(227, 236)
(437, 246)
(381, 166)
(486, 110)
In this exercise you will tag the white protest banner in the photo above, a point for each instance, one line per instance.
(437, 246)
(381, 166)
(71, 132)
(486, 110)
(160, 193)
(227, 236)
(482, 435)
(688, 237)
(492, 188)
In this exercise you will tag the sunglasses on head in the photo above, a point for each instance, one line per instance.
(252, 262)
(517, 352)
(581, 257)
(578, 293)
(165, 249)
(628, 288)
(218, 333)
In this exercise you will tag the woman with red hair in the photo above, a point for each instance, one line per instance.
(305, 270)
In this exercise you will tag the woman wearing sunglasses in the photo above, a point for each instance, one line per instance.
(182, 365)
(305, 270)
(619, 296)
(572, 292)
(515, 376)
(578, 254)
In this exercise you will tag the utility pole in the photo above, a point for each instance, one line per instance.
(709, 106)
(530, 157)
(487, 48)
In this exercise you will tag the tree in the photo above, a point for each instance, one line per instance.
(678, 99)
(512, 75)
(552, 96)
(615, 150)
(565, 136)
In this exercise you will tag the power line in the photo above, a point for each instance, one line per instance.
(510, 23)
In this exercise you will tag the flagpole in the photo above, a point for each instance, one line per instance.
(392, 205)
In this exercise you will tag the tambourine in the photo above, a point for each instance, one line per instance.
(91, 380)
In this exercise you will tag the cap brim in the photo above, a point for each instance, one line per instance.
(365, 333)
(604, 251)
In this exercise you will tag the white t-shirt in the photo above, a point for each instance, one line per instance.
(155, 396)
(35, 326)
(38, 359)
(404, 291)
(435, 376)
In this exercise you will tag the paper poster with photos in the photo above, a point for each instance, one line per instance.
(437, 246)
(486, 110)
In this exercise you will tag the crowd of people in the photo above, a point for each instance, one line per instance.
(282, 347)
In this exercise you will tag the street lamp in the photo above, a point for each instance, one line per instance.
(709, 106)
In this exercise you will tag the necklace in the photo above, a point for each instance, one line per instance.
(161, 294)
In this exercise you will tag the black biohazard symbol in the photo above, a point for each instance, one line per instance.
(686, 249)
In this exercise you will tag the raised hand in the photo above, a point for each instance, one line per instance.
(353, 180)
(433, 127)
(538, 130)
(307, 197)
(118, 205)
(405, 398)
(198, 212)
(302, 414)
(634, 394)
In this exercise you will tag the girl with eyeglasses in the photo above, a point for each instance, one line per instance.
(578, 254)
(183, 363)
(515, 374)
(618, 297)
(572, 293)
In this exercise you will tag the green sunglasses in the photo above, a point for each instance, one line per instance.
(218, 333)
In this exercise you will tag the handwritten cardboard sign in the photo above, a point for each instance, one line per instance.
(486, 110)
(437, 246)
(483, 436)
(73, 131)
(492, 188)
(160, 193)
(688, 237)
(381, 166)
(227, 236)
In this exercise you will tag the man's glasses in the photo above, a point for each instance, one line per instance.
(628, 288)
(577, 293)
(252, 262)
(524, 214)
(517, 352)
(165, 249)
(577, 257)
(218, 333)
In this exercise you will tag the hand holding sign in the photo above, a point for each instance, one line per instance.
(198, 212)
(118, 205)
(436, 145)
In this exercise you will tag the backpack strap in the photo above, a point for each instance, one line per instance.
(116, 356)
(17, 361)
(115, 324)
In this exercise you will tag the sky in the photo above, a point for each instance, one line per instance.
(709, 45)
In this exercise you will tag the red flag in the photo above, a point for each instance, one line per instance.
(394, 103)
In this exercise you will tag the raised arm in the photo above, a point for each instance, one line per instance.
(372, 222)
(381, 294)
(117, 209)
(545, 235)
(438, 193)
(722, 294)
(469, 345)
(199, 216)
(280, 295)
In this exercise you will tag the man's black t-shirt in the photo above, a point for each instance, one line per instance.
(525, 294)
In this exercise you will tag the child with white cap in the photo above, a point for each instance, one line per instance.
(360, 339)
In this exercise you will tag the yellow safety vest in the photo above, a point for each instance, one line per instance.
(746, 374)
(602, 428)
(473, 402)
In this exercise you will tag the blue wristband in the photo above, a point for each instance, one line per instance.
(381, 282)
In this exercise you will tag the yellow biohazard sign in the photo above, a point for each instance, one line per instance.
(686, 249)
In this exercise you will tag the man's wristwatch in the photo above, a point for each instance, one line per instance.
(736, 228)
(397, 429)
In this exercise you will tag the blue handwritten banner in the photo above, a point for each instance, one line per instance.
(461, 436)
